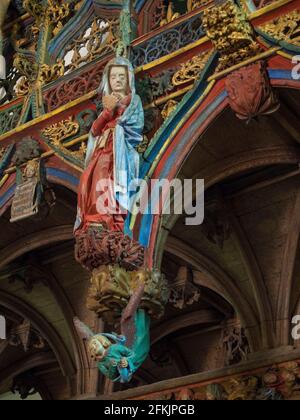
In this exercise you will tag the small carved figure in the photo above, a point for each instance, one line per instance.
(115, 360)
(120, 356)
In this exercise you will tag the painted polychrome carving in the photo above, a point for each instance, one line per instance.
(119, 356)
(112, 163)
(250, 92)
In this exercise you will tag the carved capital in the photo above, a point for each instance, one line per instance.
(112, 286)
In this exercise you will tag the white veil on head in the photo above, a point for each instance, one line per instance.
(104, 87)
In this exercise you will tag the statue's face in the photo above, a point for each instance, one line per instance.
(96, 350)
(30, 170)
(98, 347)
(118, 79)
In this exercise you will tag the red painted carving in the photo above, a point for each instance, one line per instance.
(250, 92)
(99, 246)
(157, 13)
(70, 90)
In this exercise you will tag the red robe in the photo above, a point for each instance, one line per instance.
(101, 167)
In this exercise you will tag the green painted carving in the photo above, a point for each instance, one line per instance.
(9, 118)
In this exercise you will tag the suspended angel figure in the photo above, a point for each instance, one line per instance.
(120, 356)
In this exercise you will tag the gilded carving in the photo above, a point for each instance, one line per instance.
(50, 73)
(58, 132)
(112, 286)
(52, 13)
(81, 152)
(109, 292)
(156, 292)
(22, 87)
(57, 11)
(61, 131)
(144, 145)
(100, 39)
(163, 14)
(195, 4)
(285, 27)
(169, 108)
(243, 389)
(191, 71)
(2, 152)
(31, 73)
(170, 15)
(27, 67)
(31, 63)
(231, 33)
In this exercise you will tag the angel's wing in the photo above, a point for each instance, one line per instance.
(83, 329)
(128, 315)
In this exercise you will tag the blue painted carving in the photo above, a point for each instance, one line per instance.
(167, 42)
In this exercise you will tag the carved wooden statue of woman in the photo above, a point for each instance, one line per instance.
(112, 161)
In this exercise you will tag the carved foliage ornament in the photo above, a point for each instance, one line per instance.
(195, 4)
(31, 74)
(285, 28)
(99, 246)
(100, 39)
(70, 90)
(191, 71)
(54, 12)
(62, 130)
(168, 109)
(112, 287)
(9, 118)
(231, 33)
(275, 383)
(31, 67)
(58, 132)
